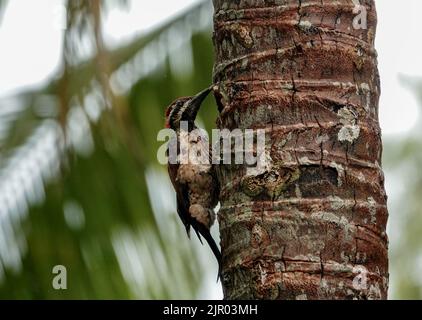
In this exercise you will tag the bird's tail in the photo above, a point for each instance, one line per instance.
(204, 232)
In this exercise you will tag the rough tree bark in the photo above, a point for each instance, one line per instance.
(313, 225)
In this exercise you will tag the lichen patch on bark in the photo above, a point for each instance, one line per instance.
(350, 130)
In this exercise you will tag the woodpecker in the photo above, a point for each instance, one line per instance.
(194, 180)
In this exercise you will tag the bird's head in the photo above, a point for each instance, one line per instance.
(184, 109)
(175, 111)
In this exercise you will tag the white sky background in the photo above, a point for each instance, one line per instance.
(31, 37)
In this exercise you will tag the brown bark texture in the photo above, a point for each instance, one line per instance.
(312, 226)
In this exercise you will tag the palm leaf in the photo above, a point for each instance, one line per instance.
(87, 199)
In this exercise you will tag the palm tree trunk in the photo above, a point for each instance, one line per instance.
(312, 226)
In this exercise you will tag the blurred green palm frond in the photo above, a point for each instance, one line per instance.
(402, 160)
(80, 185)
(3, 4)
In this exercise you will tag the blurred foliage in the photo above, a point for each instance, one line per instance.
(2, 5)
(78, 166)
(402, 161)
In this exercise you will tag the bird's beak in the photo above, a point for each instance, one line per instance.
(200, 97)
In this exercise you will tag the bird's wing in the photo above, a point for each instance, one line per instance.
(183, 212)
(182, 195)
